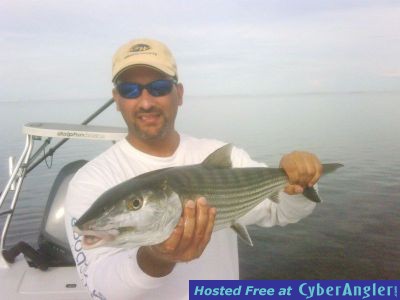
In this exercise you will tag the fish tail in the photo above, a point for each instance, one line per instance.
(310, 192)
(329, 168)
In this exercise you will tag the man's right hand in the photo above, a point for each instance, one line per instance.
(187, 241)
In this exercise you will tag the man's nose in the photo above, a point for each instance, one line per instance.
(146, 101)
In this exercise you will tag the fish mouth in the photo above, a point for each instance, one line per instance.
(91, 241)
(96, 238)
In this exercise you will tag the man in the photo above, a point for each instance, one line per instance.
(148, 94)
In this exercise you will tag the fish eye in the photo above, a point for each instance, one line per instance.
(134, 203)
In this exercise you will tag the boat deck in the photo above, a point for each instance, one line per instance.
(61, 283)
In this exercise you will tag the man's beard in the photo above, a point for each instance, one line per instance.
(149, 134)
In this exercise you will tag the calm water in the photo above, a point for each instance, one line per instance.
(353, 234)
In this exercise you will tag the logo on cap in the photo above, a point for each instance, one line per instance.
(140, 47)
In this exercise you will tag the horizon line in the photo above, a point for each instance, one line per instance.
(224, 95)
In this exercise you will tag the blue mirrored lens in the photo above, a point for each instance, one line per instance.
(129, 90)
(160, 87)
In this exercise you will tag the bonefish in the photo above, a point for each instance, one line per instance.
(144, 210)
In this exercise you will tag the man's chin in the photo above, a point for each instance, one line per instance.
(151, 135)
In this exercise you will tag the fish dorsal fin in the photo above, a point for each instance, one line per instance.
(220, 158)
(242, 233)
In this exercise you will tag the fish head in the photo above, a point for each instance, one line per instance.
(144, 217)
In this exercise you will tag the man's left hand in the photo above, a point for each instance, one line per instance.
(303, 170)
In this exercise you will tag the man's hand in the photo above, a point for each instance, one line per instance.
(303, 170)
(187, 241)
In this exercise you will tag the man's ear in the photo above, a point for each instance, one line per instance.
(180, 91)
(116, 99)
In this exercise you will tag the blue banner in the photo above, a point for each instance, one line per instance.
(294, 289)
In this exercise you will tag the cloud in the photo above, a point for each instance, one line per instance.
(268, 46)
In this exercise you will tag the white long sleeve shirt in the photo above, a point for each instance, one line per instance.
(113, 273)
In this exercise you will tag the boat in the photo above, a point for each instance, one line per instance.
(48, 272)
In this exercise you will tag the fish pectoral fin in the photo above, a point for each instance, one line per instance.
(220, 158)
(311, 194)
(274, 197)
(242, 233)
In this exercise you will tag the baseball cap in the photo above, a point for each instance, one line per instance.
(144, 52)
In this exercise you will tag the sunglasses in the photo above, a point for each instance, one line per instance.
(155, 88)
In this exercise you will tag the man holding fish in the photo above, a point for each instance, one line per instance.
(148, 94)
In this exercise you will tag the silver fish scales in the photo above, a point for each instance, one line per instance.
(232, 191)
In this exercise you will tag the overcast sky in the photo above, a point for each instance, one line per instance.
(62, 49)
